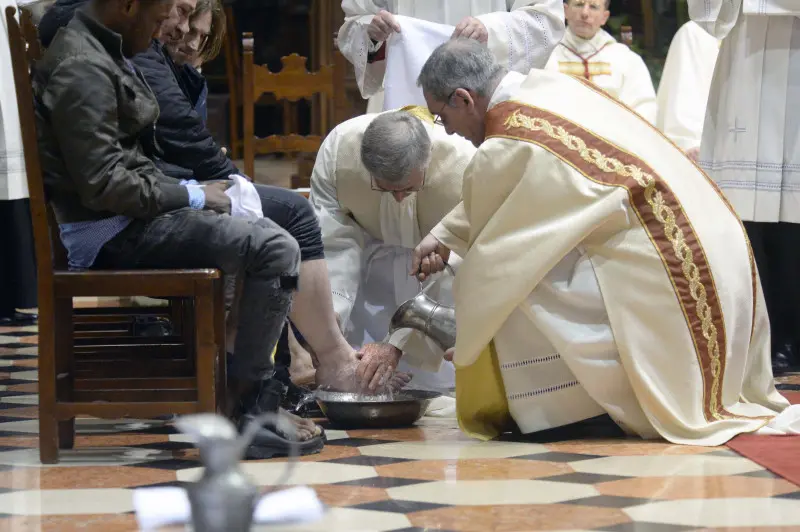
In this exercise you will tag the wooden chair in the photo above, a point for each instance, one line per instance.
(109, 376)
(292, 83)
(233, 75)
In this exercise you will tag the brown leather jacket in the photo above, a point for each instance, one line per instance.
(91, 108)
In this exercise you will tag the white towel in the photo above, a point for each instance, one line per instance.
(159, 507)
(444, 406)
(406, 52)
(245, 201)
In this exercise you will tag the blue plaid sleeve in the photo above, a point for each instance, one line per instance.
(197, 198)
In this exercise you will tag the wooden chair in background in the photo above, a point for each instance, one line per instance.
(293, 83)
(233, 75)
(84, 372)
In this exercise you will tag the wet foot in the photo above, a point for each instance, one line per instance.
(305, 429)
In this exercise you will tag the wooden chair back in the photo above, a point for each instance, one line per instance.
(23, 41)
(233, 75)
(293, 83)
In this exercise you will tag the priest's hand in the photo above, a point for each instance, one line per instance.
(693, 153)
(449, 354)
(471, 28)
(377, 364)
(382, 26)
(430, 257)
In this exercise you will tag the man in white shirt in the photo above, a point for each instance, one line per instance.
(751, 144)
(521, 33)
(589, 52)
(380, 182)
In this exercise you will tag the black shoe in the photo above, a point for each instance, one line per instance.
(270, 441)
(19, 319)
(296, 400)
(151, 326)
(782, 359)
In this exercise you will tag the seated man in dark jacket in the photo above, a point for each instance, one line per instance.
(185, 142)
(115, 209)
(183, 148)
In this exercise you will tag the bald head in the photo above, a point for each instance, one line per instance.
(460, 63)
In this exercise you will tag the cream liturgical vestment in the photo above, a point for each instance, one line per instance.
(685, 83)
(369, 236)
(604, 273)
(522, 33)
(751, 136)
(610, 65)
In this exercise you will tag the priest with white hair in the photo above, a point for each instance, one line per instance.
(602, 271)
(381, 182)
(684, 86)
(520, 33)
(751, 144)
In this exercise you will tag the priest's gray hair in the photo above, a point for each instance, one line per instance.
(460, 64)
(394, 145)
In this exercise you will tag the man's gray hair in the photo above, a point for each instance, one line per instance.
(459, 64)
(394, 145)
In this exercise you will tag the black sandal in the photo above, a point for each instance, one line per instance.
(270, 442)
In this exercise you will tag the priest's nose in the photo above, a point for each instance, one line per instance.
(400, 196)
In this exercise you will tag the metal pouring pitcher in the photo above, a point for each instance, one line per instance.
(421, 313)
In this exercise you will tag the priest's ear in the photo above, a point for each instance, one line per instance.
(463, 98)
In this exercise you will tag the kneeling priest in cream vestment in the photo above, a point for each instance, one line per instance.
(372, 215)
(603, 271)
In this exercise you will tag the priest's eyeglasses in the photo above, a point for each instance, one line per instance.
(438, 116)
(414, 187)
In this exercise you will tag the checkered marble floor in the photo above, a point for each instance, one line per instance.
(429, 477)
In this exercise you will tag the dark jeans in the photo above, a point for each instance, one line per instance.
(17, 258)
(295, 214)
(266, 255)
(776, 248)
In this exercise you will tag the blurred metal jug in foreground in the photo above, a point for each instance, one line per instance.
(224, 498)
(421, 313)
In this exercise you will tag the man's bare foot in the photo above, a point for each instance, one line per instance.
(337, 370)
(301, 368)
(305, 429)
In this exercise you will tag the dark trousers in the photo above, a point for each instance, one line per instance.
(776, 247)
(265, 255)
(17, 258)
(296, 216)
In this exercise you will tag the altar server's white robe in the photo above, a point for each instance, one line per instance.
(751, 136)
(604, 273)
(610, 65)
(522, 33)
(368, 238)
(685, 82)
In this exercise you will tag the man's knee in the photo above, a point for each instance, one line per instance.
(276, 252)
(294, 213)
(307, 232)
